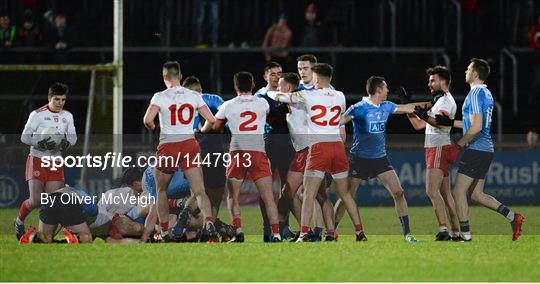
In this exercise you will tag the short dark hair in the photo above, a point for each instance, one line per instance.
(243, 81)
(373, 83)
(307, 57)
(323, 69)
(481, 67)
(270, 65)
(58, 89)
(190, 81)
(173, 69)
(291, 78)
(440, 71)
(131, 175)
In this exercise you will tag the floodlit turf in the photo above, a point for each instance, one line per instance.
(492, 256)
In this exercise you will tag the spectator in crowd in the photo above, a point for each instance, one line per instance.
(7, 31)
(278, 36)
(59, 38)
(29, 34)
(310, 37)
(533, 116)
(203, 7)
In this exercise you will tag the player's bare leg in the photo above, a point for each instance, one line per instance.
(128, 227)
(312, 182)
(339, 207)
(327, 212)
(196, 182)
(264, 185)
(463, 183)
(162, 183)
(434, 180)
(35, 188)
(391, 182)
(450, 206)
(342, 188)
(286, 202)
(46, 233)
(234, 186)
(490, 202)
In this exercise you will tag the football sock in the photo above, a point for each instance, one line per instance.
(404, 220)
(275, 230)
(317, 231)
(443, 228)
(164, 226)
(358, 228)
(507, 213)
(237, 222)
(464, 227)
(304, 230)
(24, 210)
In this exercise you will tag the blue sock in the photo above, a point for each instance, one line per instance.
(317, 231)
(404, 220)
(464, 226)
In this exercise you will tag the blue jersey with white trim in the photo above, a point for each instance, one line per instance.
(304, 87)
(211, 142)
(178, 187)
(90, 209)
(479, 101)
(369, 123)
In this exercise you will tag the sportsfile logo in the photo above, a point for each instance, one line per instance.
(377, 126)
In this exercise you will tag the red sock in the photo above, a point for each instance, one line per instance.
(304, 229)
(442, 225)
(209, 219)
(24, 210)
(172, 202)
(237, 222)
(275, 228)
(330, 233)
(358, 227)
(164, 226)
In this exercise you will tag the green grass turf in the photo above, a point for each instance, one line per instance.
(492, 256)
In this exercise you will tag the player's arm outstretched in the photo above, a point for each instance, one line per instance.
(295, 97)
(443, 119)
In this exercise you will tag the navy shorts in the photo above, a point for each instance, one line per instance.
(475, 164)
(363, 168)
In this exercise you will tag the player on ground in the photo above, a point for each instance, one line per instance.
(65, 211)
(326, 154)
(246, 117)
(367, 156)
(42, 179)
(112, 219)
(178, 148)
(477, 110)
(439, 151)
(214, 173)
(297, 123)
(278, 145)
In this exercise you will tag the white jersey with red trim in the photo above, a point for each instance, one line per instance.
(440, 136)
(297, 123)
(246, 117)
(178, 107)
(324, 108)
(42, 118)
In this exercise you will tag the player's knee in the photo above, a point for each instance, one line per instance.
(431, 192)
(476, 197)
(399, 194)
(85, 238)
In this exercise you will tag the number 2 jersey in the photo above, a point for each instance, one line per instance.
(246, 118)
(177, 110)
(479, 101)
(369, 123)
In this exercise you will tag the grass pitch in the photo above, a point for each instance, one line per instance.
(492, 256)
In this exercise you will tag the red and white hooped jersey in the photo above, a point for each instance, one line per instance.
(324, 108)
(246, 118)
(42, 118)
(440, 136)
(178, 107)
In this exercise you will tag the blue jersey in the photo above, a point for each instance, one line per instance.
(304, 87)
(369, 122)
(211, 142)
(277, 114)
(479, 101)
(90, 209)
(178, 187)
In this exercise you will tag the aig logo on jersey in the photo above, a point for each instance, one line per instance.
(377, 126)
